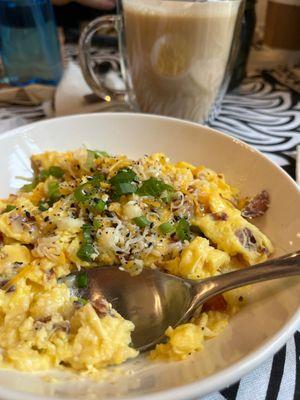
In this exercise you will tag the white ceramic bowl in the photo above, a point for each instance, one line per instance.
(254, 334)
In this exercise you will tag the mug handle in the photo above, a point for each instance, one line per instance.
(96, 83)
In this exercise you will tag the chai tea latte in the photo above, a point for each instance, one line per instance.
(178, 53)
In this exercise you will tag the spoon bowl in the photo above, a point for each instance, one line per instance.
(154, 300)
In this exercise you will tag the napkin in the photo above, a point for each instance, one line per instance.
(34, 94)
(9, 121)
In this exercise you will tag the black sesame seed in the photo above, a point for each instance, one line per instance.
(241, 298)
(46, 219)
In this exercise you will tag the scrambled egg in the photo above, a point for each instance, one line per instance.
(198, 260)
(86, 208)
(188, 338)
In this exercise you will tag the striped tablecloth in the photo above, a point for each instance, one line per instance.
(265, 114)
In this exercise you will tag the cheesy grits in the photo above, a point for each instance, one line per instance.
(85, 208)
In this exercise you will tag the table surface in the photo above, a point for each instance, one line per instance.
(266, 114)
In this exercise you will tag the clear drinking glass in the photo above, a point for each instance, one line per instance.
(176, 55)
(29, 45)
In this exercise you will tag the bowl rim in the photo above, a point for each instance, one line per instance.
(218, 380)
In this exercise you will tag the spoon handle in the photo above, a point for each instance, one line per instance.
(288, 265)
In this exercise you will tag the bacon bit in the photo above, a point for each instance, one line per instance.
(219, 216)
(263, 250)
(3, 283)
(216, 303)
(50, 274)
(44, 320)
(1, 239)
(101, 306)
(246, 238)
(257, 206)
(11, 289)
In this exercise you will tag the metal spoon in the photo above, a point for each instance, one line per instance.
(154, 300)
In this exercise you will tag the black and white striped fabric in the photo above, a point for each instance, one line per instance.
(276, 379)
(266, 115)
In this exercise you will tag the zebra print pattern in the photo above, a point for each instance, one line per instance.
(266, 115)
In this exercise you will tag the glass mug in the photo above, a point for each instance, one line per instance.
(176, 56)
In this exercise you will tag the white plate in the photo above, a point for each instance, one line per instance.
(254, 334)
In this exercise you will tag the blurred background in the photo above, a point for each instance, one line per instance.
(39, 52)
(271, 26)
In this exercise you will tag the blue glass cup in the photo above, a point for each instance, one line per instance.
(29, 44)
